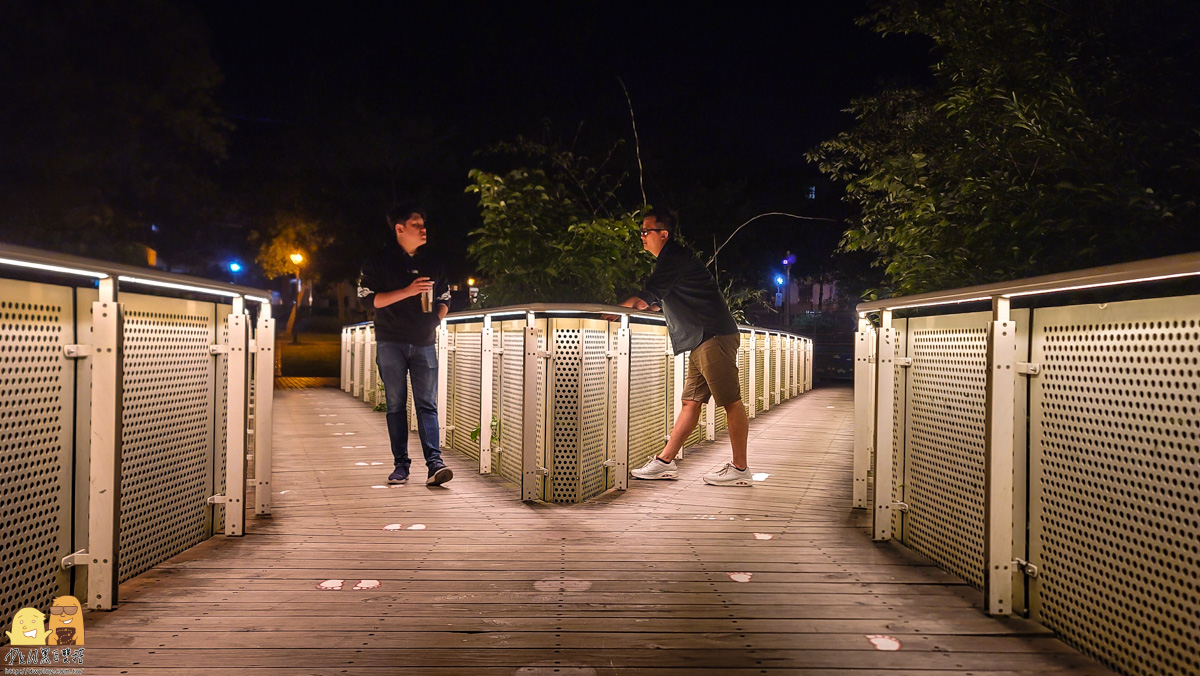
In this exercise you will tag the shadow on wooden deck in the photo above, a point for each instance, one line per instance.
(668, 577)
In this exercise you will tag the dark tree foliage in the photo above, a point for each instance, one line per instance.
(1058, 134)
(107, 125)
(554, 229)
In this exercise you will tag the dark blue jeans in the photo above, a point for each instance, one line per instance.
(419, 362)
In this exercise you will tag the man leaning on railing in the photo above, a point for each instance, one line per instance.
(698, 320)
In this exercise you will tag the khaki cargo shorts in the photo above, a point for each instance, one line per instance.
(712, 370)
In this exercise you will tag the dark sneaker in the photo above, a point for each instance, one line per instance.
(438, 475)
(398, 476)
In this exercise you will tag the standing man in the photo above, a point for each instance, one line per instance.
(698, 320)
(393, 281)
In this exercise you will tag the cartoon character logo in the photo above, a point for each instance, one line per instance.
(28, 627)
(66, 622)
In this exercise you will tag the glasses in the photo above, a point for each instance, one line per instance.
(63, 610)
(647, 231)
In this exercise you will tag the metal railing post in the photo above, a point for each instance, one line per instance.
(998, 460)
(621, 451)
(766, 374)
(864, 408)
(356, 376)
(264, 399)
(710, 419)
(347, 356)
(443, 380)
(104, 483)
(486, 376)
(885, 370)
(779, 370)
(808, 366)
(235, 431)
(530, 470)
(752, 396)
(368, 383)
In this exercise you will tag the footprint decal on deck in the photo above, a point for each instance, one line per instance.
(763, 536)
(882, 642)
(740, 577)
(331, 585)
(366, 584)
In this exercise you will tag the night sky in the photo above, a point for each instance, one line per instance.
(721, 92)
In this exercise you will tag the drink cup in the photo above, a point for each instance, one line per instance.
(427, 301)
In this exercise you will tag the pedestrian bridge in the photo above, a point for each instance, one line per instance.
(1038, 447)
(352, 576)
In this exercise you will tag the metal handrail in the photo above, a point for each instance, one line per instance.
(576, 309)
(21, 256)
(1154, 269)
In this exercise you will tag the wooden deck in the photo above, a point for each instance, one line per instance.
(650, 581)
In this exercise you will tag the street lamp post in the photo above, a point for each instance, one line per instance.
(293, 321)
(788, 260)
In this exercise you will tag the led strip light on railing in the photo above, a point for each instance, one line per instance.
(178, 287)
(53, 268)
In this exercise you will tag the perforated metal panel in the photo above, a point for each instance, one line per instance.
(649, 403)
(511, 403)
(1115, 481)
(743, 358)
(464, 381)
(37, 415)
(944, 473)
(168, 422)
(595, 413)
(566, 432)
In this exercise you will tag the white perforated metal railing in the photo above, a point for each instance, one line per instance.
(1050, 456)
(124, 414)
(573, 401)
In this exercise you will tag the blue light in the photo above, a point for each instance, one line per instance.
(778, 280)
(235, 267)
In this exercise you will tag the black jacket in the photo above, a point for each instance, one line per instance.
(402, 322)
(690, 299)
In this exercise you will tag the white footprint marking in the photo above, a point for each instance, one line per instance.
(331, 585)
(366, 584)
(882, 642)
(740, 577)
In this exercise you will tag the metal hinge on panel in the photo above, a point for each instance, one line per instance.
(544, 354)
(77, 351)
(610, 463)
(542, 471)
(219, 349)
(1026, 567)
(900, 506)
(1026, 368)
(79, 558)
(217, 500)
(903, 361)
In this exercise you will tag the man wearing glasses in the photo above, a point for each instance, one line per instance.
(698, 320)
(410, 296)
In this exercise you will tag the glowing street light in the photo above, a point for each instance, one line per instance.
(235, 267)
(297, 258)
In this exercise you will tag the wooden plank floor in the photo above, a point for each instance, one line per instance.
(666, 578)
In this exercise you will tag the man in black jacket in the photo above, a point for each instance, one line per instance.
(392, 281)
(698, 320)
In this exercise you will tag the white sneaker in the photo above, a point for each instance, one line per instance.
(656, 469)
(730, 476)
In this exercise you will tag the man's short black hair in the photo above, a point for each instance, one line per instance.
(667, 219)
(400, 213)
